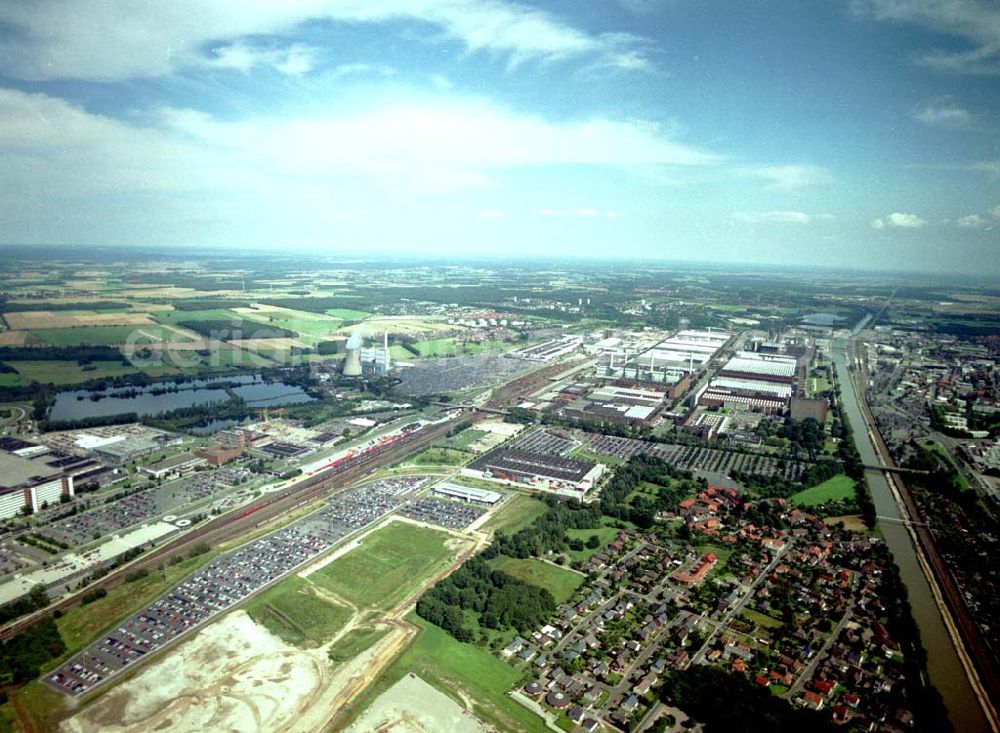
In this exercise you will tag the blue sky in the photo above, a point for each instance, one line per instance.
(860, 132)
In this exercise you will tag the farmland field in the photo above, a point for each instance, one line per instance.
(347, 314)
(70, 372)
(389, 565)
(9, 379)
(73, 319)
(103, 335)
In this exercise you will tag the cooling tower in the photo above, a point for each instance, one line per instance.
(352, 362)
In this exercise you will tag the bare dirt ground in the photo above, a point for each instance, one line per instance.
(236, 676)
(413, 706)
(852, 522)
(55, 319)
(13, 338)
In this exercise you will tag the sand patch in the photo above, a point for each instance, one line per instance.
(413, 706)
(234, 675)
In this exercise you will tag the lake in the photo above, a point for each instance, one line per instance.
(152, 400)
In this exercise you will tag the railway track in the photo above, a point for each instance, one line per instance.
(238, 522)
(986, 677)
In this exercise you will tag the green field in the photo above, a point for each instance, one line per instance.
(464, 439)
(104, 335)
(10, 379)
(582, 454)
(646, 489)
(604, 534)
(70, 372)
(354, 642)
(398, 353)
(312, 327)
(388, 567)
(761, 619)
(723, 553)
(833, 489)
(440, 457)
(347, 314)
(293, 611)
(171, 318)
(818, 385)
(561, 583)
(459, 670)
(938, 450)
(516, 514)
(437, 347)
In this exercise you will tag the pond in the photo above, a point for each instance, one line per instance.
(161, 397)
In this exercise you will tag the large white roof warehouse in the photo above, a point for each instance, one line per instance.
(748, 362)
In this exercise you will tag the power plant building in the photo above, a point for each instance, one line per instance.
(377, 357)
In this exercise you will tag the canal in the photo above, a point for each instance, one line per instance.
(943, 664)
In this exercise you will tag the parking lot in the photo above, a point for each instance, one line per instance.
(228, 580)
(9, 560)
(694, 458)
(127, 511)
(431, 376)
(542, 440)
(443, 513)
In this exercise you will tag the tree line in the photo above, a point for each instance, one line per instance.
(501, 600)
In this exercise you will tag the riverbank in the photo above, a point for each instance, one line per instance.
(959, 625)
(945, 666)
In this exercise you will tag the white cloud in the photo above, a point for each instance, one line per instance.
(790, 177)
(583, 212)
(461, 137)
(995, 212)
(972, 221)
(944, 115)
(191, 172)
(772, 217)
(977, 22)
(898, 220)
(361, 69)
(441, 81)
(120, 39)
(989, 167)
(295, 60)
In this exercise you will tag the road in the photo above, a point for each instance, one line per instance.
(807, 673)
(723, 623)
